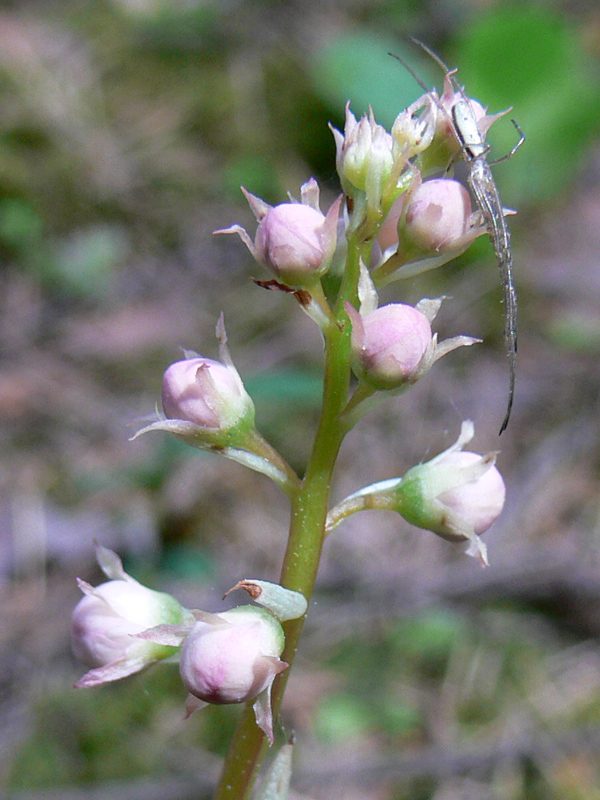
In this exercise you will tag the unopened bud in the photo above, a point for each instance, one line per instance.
(106, 620)
(294, 240)
(438, 218)
(207, 393)
(457, 495)
(389, 344)
(234, 657)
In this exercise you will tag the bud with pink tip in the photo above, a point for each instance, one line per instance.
(294, 240)
(445, 145)
(389, 344)
(233, 657)
(205, 402)
(206, 392)
(106, 621)
(438, 218)
(434, 222)
(393, 346)
(458, 495)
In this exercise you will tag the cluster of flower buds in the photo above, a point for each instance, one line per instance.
(121, 627)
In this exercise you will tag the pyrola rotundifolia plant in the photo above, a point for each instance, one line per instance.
(396, 217)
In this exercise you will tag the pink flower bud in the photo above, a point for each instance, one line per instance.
(445, 127)
(479, 501)
(457, 494)
(205, 392)
(389, 344)
(105, 623)
(290, 240)
(437, 219)
(233, 657)
(295, 240)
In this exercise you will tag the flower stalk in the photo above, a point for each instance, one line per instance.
(389, 224)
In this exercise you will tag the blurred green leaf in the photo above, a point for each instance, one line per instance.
(20, 224)
(576, 331)
(82, 263)
(187, 562)
(532, 58)
(398, 717)
(255, 173)
(358, 68)
(428, 636)
(341, 717)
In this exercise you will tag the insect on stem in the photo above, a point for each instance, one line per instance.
(485, 192)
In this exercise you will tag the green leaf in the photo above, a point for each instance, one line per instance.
(358, 68)
(531, 58)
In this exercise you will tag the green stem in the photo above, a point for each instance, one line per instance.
(307, 531)
(288, 480)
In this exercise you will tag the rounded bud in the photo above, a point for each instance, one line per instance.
(290, 241)
(104, 622)
(389, 344)
(233, 657)
(479, 502)
(458, 494)
(437, 218)
(205, 392)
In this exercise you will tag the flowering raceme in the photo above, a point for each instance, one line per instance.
(401, 213)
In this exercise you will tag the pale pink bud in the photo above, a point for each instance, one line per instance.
(295, 240)
(438, 218)
(445, 126)
(290, 240)
(389, 344)
(480, 501)
(106, 621)
(458, 494)
(205, 392)
(233, 657)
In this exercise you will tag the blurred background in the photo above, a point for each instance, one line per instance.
(126, 129)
